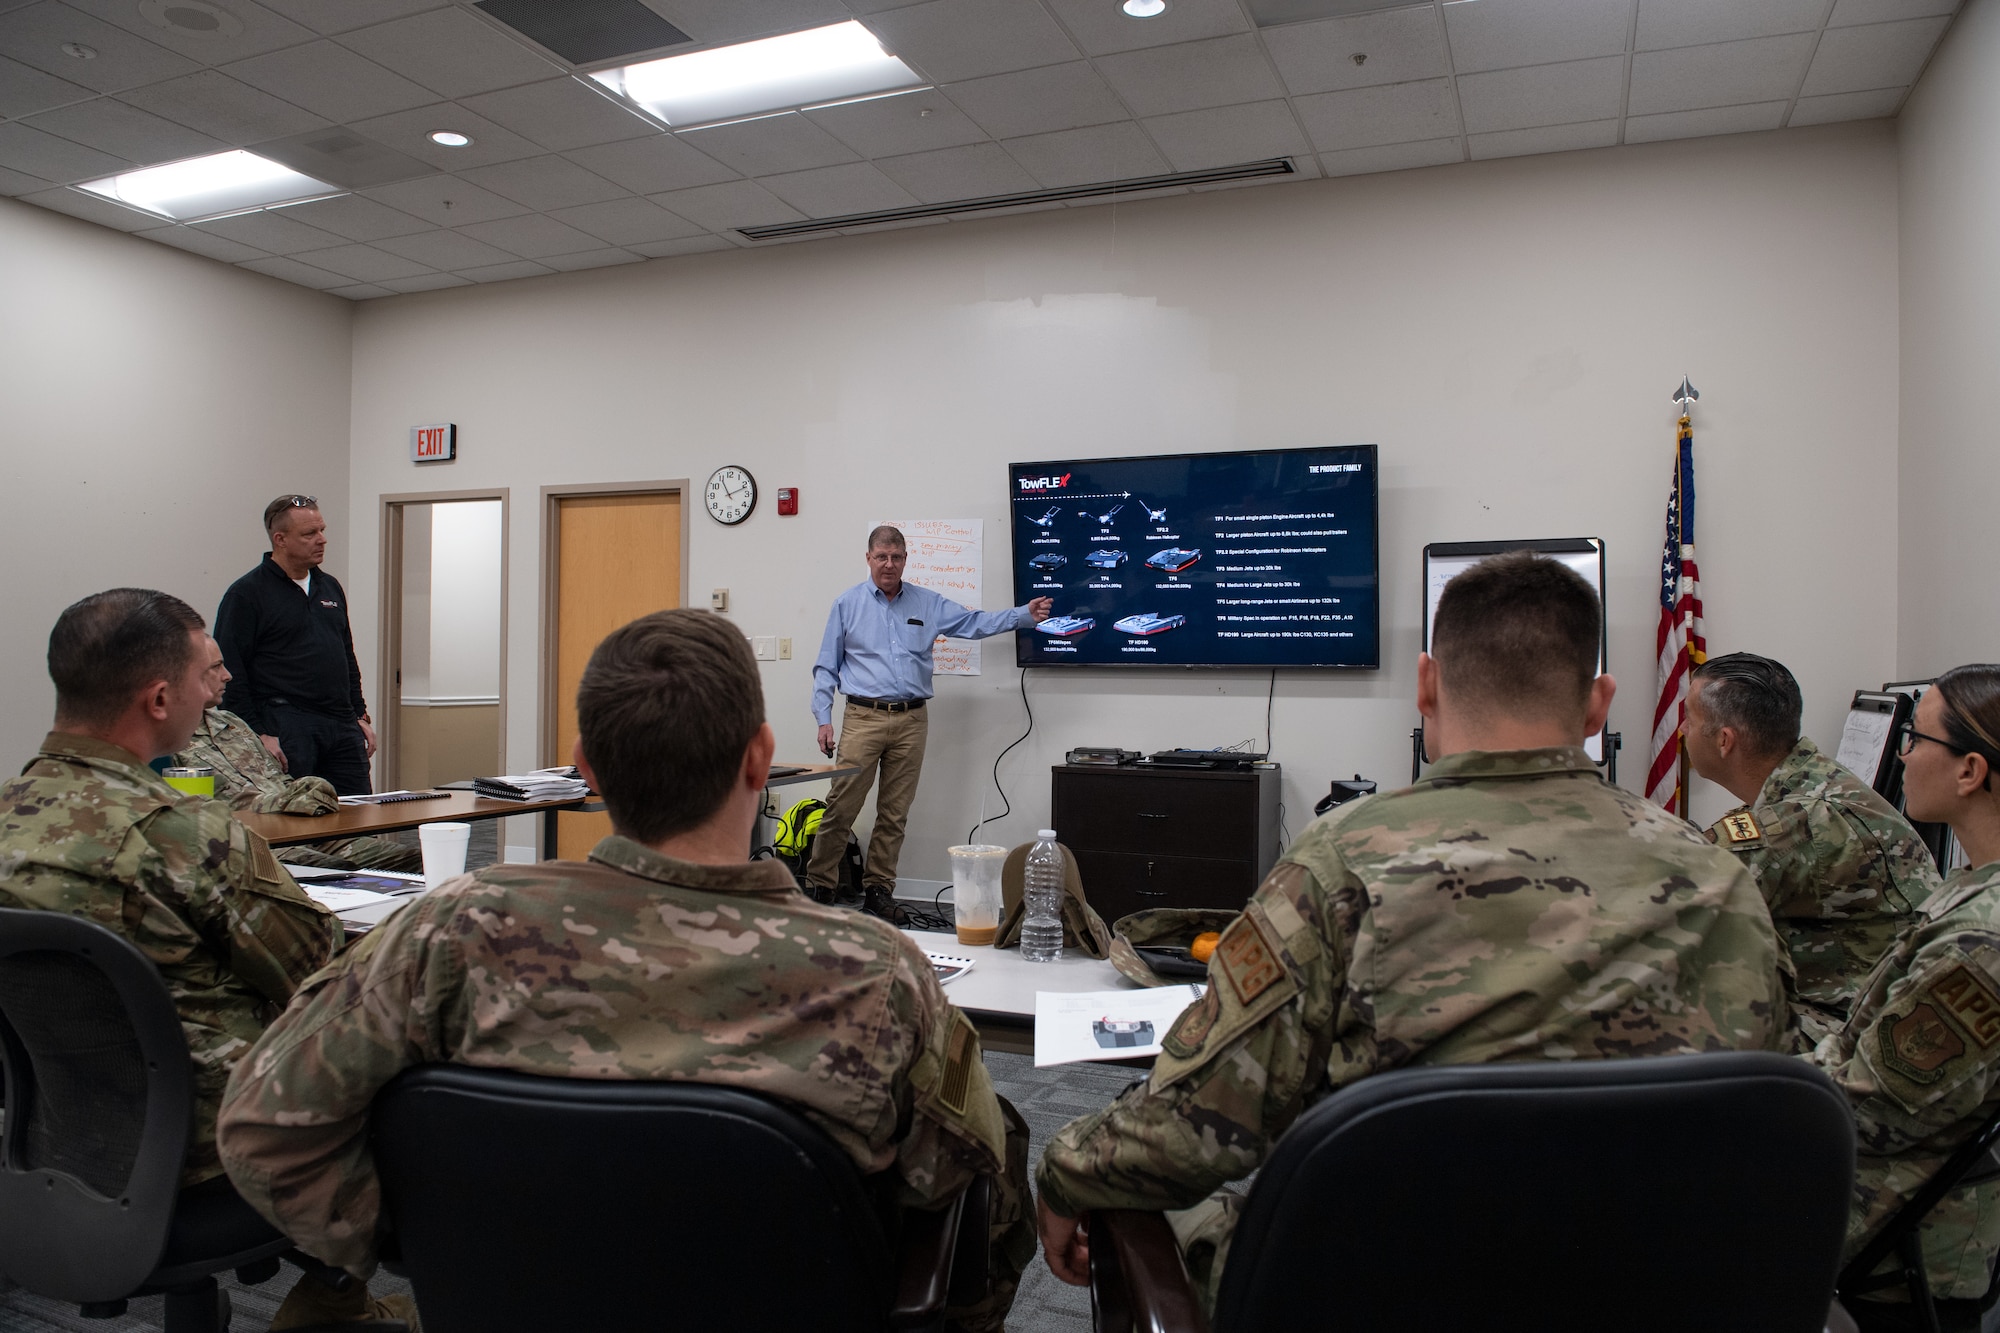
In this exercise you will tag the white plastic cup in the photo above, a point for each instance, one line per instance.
(444, 850)
(975, 891)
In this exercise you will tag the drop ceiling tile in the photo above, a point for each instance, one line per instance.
(363, 263)
(410, 132)
(1400, 45)
(271, 232)
(1848, 106)
(331, 16)
(38, 153)
(93, 209)
(339, 156)
(1101, 28)
(1367, 117)
(1501, 34)
(878, 6)
(1392, 157)
(1759, 69)
(1849, 12)
(212, 102)
(975, 171)
(627, 222)
(446, 250)
(24, 90)
(1219, 72)
(769, 144)
(263, 30)
(693, 245)
(451, 53)
(292, 271)
(651, 165)
(1087, 156)
(1517, 99)
(429, 282)
(124, 131)
(561, 114)
(543, 183)
(532, 237)
(520, 268)
(902, 123)
(1038, 101)
(204, 243)
(733, 204)
(949, 40)
(329, 80)
(355, 217)
(720, 22)
(1710, 120)
(445, 201)
(20, 182)
(831, 192)
(1665, 23)
(361, 291)
(1543, 139)
(1226, 135)
(1882, 55)
(35, 34)
(591, 259)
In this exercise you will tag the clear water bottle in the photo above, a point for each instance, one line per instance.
(1042, 930)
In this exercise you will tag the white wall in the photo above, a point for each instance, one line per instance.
(465, 600)
(151, 403)
(1508, 332)
(1950, 460)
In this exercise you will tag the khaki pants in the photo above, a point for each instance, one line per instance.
(871, 739)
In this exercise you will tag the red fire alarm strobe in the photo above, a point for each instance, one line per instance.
(433, 444)
(788, 499)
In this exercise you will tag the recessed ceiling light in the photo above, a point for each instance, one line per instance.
(1145, 9)
(206, 187)
(450, 138)
(834, 63)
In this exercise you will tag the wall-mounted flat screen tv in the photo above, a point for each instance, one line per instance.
(1267, 558)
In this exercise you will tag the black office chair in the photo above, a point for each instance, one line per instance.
(99, 1096)
(526, 1203)
(1971, 1162)
(1703, 1192)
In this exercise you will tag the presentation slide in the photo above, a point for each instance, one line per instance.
(1258, 559)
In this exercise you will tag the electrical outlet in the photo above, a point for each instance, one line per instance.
(784, 650)
(765, 646)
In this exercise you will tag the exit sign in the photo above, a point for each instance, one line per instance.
(433, 444)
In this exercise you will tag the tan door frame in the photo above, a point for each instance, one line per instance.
(389, 636)
(552, 497)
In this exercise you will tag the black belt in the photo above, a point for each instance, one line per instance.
(889, 705)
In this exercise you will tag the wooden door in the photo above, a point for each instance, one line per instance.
(618, 557)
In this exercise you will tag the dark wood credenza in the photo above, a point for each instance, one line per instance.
(1167, 837)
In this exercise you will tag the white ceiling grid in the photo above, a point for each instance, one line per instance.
(1025, 95)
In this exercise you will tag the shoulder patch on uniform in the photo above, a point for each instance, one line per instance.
(1741, 827)
(1285, 918)
(1919, 1045)
(1248, 959)
(957, 1077)
(1970, 999)
(1184, 1039)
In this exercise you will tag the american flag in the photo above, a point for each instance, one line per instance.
(1681, 645)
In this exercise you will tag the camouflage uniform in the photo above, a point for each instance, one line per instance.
(249, 779)
(630, 966)
(88, 829)
(1920, 1062)
(1510, 906)
(1843, 874)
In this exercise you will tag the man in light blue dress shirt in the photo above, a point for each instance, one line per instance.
(877, 652)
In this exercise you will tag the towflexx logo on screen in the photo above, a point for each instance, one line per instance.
(1045, 483)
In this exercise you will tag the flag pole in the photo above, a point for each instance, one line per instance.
(1685, 396)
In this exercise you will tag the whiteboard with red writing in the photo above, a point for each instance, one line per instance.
(947, 556)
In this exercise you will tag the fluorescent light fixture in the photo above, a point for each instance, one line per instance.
(830, 64)
(450, 138)
(1145, 9)
(206, 187)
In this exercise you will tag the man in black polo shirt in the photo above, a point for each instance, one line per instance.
(284, 636)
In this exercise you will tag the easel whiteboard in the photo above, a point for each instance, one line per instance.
(1445, 560)
(1868, 737)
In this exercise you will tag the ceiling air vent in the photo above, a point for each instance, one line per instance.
(1277, 166)
(584, 32)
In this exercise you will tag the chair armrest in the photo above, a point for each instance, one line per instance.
(923, 1267)
(969, 1276)
(1138, 1282)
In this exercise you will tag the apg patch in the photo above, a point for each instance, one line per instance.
(1741, 827)
(1920, 1045)
(1249, 959)
(1969, 998)
(1191, 1029)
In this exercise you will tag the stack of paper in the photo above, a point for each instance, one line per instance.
(544, 784)
(1108, 1024)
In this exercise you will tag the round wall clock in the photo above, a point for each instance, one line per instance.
(731, 494)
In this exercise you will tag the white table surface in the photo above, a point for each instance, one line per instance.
(1003, 982)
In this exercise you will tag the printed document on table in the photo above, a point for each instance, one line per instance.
(1106, 1024)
